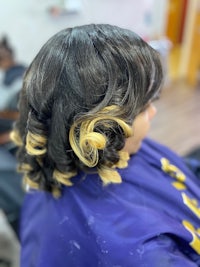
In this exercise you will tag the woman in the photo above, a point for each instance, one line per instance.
(99, 194)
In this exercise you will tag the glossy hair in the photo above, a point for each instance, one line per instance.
(79, 99)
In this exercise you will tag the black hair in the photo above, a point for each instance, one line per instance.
(80, 96)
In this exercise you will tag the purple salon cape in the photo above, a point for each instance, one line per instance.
(151, 219)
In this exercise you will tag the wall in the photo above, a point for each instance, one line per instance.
(28, 24)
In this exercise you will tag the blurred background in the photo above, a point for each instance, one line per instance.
(170, 26)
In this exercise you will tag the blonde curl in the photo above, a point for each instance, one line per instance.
(35, 144)
(64, 178)
(123, 160)
(28, 182)
(24, 167)
(86, 143)
(16, 138)
(109, 175)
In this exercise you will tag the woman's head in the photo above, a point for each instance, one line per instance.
(80, 97)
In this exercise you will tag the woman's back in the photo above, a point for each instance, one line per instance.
(141, 221)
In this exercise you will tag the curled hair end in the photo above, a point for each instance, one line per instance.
(87, 135)
(56, 192)
(123, 161)
(24, 168)
(35, 144)
(64, 178)
(16, 138)
(109, 175)
(28, 182)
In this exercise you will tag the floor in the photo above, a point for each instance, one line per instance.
(177, 123)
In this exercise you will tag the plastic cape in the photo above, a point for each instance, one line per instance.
(150, 219)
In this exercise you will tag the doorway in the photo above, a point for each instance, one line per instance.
(176, 17)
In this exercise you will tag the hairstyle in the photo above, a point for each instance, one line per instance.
(79, 99)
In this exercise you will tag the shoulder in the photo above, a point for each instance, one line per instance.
(153, 151)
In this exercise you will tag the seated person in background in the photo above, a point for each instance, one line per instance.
(11, 192)
(11, 195)
(12, 76)
(99, 192)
